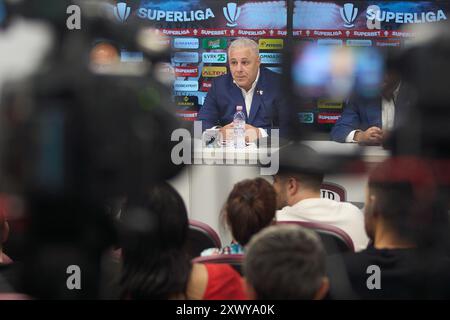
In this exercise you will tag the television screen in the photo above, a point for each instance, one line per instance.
(333, 38)
(200, 31)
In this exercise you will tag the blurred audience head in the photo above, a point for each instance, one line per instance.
(104, 54)
(294, 187)
(285, 262)
(300, 175)
(250, 207)
(399, 200)
(155, 230)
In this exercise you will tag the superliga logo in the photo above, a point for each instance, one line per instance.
(122, 12)
(375, 13)
(348, 14)
(175, 16)
(231, 13)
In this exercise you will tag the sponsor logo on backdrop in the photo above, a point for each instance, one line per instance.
(270, 44)
(122, 12)
(387, 43)
(180, 85)
(185, 57)
(270, 58)
(186, 43)
(200, 95)
(187, 115)
(186, 101)
(214, 43)
(329, 42)
(306, 117)
(175, 16)
(375, 13)
(333, 192)
(210, 72)
(186, 71)
(214, 57)
(129, 56)
(329, 104)
(367, 34)
(206, 32)
(359, 43)
(177, 32)
(206, 85)
(348, 14)
(251, 33)
(324, 118)
(231, 13)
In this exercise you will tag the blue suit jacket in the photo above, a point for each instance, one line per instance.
(363, 114)
(268, 109)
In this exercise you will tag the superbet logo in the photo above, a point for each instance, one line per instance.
(186, 71)
(330, 118)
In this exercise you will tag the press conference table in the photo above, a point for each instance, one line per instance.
(205, 184)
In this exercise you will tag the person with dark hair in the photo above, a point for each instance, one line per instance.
(285, 262)
(298, 199)
(250, 207)
(398, 218)
(155, 262)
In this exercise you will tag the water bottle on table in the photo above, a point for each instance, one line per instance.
(239, 128)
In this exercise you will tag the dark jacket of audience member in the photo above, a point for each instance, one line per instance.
(404, 262)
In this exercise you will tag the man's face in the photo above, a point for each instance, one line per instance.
(390, 83)
(280, 187)
(244, 66)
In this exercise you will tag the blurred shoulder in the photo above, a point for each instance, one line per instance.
(197, 283)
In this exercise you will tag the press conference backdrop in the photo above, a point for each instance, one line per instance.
(200, 32)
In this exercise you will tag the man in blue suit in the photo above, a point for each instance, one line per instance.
(368, 121)
(254, 88)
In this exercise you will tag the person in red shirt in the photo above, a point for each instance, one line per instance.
(155, 263)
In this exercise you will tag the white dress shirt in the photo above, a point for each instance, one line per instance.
(248, 95)
(387, 115)
(248, 98)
